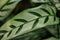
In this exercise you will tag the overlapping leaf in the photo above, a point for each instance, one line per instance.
(6, 7)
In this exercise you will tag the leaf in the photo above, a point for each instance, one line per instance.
(35, 23)
(12, 26)
(32, 23)
(19, 28)
(32, 33)
(54, 30)
(45, 10)
(46, 19)
(35, 13)
(7, 9)
(20, 20)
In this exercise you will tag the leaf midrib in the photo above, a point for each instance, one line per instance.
(37, 18)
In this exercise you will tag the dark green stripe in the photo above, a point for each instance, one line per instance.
(9, 33)
(45, 10)
(19, 28)
(46, 19)
(12, 26)
(3, 31)
(54, 18)
(35, 23)
(4, 10)
(10, 3)
(35, 13)
(20, 20)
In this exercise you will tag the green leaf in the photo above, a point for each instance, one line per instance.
(32, 20)
(7, 9)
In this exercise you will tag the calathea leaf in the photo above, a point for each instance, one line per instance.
(6, 7)
(54, 30)
(34, 18)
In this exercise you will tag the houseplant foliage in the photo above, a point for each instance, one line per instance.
(36, 22)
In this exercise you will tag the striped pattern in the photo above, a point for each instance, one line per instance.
(29, 23)
(29, 20)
